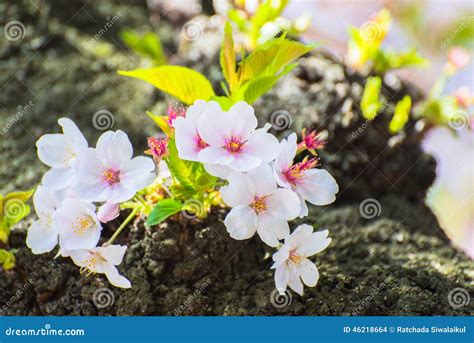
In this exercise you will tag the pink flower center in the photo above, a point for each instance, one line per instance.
(295, 172)
(259, 204)
(234, 145)
(200, 144)
(111, 176)
(294, 257)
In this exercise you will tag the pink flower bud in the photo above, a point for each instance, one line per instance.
(158, 148)
(108, 212)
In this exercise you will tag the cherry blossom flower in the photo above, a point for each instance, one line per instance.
(258, 206)
(292, 266)
(109, 173)
(77, 225)
(42, 237)
(223, 171)
(188, 140)
(232, 138)
(158, 148)
(101, 260)
(311, 184)
(108, 211)
(311, 142)
(59, 151)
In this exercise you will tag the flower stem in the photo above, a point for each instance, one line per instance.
(122, 226)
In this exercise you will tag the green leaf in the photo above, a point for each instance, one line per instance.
(179, 169)
(223, 101)
(401, 114)
(388, 60)
(163, 210)
(270, 58)
(185, 84)
(7, 259)
(227, 58)
(256, 88)
(370, 103)
(148, 45)
(161, 122)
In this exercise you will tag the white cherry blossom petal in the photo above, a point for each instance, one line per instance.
(282, 278)
(40, 238)
(294, 281)
(308, 272)
(114, 148)
(215, 155)
(240, 190)
(263, 180)
(318, 187)
(263, 145)
(285, 203)
(53, 150)
(72, 132)
(218, 170)
(58, 178)
(241, 222)
(115, 278)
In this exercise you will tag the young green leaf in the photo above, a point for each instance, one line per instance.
(271, 58)
(401, 114)
(7, 259)
(227, 58)
(185, 84)
(179, 169)
(254, 89)
(388, 60)
(161, 122)
(370, 103)
(148, 45)
(163, 210)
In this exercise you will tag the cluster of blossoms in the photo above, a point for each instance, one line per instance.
(79, 179)
(266, 187)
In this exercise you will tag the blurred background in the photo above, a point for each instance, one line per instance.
(433, 27)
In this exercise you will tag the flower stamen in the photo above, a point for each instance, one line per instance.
(82, 224)
(294, 258)
(295, 172)
(259, 204)
(111, 176)
(234, 145)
